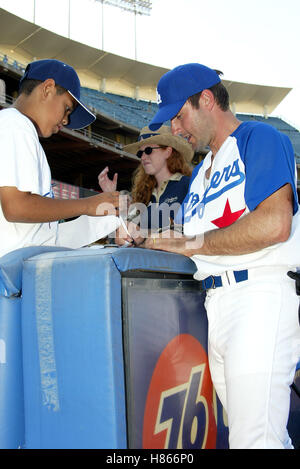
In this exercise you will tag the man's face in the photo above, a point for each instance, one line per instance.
(55, 112)
(194, 125)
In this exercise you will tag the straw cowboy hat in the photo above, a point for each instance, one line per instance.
(163, 136)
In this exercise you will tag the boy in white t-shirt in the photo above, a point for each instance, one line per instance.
(49, 99)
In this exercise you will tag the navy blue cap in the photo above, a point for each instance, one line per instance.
(177, 85)
(65, 76)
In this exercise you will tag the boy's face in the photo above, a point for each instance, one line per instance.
(55, 110)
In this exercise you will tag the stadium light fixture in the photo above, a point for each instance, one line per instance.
(140, 7)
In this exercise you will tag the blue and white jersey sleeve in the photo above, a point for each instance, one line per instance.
(269, 162)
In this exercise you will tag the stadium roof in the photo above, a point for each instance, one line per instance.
(77, 157)
(33, 41)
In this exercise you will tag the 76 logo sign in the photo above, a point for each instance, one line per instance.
(183, 412)
(180, 407)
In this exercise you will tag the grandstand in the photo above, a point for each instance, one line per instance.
(121, 92)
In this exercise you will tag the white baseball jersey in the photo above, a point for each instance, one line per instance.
(253, 162)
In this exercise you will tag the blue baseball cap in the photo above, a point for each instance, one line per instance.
(65, 76)
(177, 85)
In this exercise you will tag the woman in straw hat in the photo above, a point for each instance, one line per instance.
(162, 177)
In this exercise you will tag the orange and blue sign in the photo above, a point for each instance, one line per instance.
(180, 408)
(172, 401)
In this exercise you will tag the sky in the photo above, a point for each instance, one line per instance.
(255, 41)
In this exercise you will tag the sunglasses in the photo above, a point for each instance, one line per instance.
(147, 151)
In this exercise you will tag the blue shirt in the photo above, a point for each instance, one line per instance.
(165, 205)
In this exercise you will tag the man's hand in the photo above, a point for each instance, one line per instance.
(173, 241)
(134, 238)
(268, 224)
(123, 238)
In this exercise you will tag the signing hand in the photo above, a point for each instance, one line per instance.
(168, 240)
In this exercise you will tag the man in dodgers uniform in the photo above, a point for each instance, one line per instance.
(241, 228)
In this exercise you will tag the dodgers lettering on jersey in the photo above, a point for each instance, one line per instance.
(219, 201)
(228, 194)
(254, 161)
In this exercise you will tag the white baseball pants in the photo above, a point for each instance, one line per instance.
(254, 346)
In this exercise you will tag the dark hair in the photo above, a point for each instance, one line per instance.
(27, 87)
(220, 94)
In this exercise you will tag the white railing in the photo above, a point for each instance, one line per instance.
(98, 138)
(6, 60)
(93, 137)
